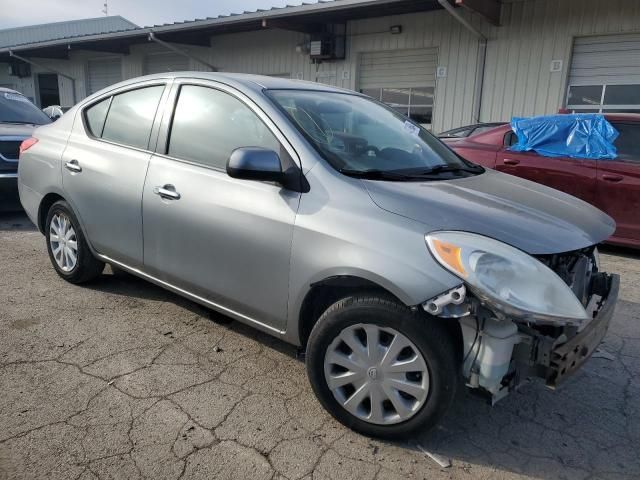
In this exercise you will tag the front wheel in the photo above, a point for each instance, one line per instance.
(68, 250)
(380, 368)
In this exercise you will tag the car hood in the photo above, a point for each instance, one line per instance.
(16, 130)
(524, 214)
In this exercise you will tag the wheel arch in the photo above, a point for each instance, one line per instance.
(322, 294)
(43, 209)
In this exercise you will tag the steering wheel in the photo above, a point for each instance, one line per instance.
(371, 148)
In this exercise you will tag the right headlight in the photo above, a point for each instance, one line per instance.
(509, 279)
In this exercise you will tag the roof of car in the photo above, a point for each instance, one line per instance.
(242, 81)
(8, 90)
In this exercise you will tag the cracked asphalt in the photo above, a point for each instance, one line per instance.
(121, 379)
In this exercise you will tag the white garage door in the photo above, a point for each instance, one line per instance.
(103, 72)
(165, 62)
(403, 79)
(605, 74)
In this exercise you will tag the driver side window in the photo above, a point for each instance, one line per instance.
(209, 124)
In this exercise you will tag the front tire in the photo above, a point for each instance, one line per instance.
(380, 368)
(68, 250)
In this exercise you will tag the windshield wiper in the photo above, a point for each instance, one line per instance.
(375, 174)
(452, 168)
(18, 122)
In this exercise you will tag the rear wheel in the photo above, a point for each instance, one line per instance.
(68, 250)
(380, 368)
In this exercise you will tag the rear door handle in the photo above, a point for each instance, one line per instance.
(167, 191)
(612, 178)
(511, 161)
(73, 166)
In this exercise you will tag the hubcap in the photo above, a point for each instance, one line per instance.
(377, 374)
(63, 242)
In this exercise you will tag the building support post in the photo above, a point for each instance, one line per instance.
(168, 46)
(482, 57)
(49, 69)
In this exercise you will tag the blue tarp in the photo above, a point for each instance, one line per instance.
(587, 135)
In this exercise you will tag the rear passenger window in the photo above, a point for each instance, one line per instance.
(131, 115)
(209, 124)
(628, 143)
(96, 115)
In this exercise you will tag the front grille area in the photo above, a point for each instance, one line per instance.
(9, 149)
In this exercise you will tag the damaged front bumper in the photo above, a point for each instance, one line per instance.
(500, 351)
(555, 359)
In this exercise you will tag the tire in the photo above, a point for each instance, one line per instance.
(359, 315)
(86, 267)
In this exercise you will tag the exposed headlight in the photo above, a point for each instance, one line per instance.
(509, 279)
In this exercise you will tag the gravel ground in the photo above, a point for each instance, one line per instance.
(121, 379)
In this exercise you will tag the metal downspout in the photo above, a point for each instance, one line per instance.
(49, 69)
(168, 46)
(482, 57)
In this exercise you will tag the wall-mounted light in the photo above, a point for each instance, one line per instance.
(395, 29)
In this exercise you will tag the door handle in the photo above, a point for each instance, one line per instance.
(73, 166)
(612, 178)
(511, 161)
(167, 191)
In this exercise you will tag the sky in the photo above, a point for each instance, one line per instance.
(18, 13)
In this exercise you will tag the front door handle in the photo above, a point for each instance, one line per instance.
(167, 191)
(511, 161)
(612, 178)
(73, 166)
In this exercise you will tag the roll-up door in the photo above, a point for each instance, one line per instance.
(165, 62)
(102, 73)
(605, 74)
(403, 79)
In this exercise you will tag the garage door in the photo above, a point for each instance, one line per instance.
(165, 62)
(605, 74)
(103, 72)
(404, 79)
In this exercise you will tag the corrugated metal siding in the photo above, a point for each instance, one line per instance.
(398, 68)
(51, 31)
(103, 72)
(608, 59)
(518, 78)
(165, 62)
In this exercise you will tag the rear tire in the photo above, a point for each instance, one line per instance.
(68, 250)
(415, 386)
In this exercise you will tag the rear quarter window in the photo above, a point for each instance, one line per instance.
(130, 116)
(96, 115)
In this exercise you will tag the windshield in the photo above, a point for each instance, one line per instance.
(16, 108)
(359, 136)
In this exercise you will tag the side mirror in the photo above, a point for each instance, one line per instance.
(255, 163)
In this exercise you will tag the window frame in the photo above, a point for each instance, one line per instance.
(129, 88)
(601, 108)
(164, 134)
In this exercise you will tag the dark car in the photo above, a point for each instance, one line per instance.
(18, 118)
(469, 130)
(611, 185)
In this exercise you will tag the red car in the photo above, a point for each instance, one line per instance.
(611, 185)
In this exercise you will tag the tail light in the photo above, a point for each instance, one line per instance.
(27, 144)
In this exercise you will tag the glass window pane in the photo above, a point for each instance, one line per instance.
(622, 95)
(585, 95)
(131, 116)
(421, 115)
(627, 142)
(209, 124)
(96, 116)
(395, 96)
(422, 96)
(371, 92)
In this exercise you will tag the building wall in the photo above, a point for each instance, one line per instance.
(517, 81)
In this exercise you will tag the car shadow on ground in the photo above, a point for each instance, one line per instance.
(575, 431)
(15, 221)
